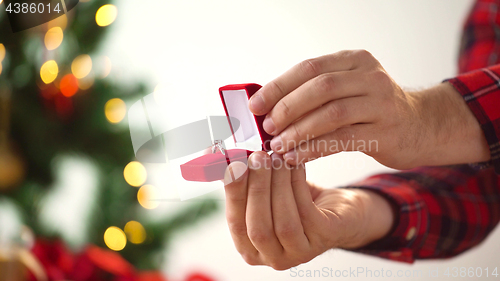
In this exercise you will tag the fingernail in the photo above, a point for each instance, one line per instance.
(234, 173)
(256, 161)
(257, 104)
(268, 125)
(290, 156)
(276, 144)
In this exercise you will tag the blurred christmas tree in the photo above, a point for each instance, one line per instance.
(56, 99)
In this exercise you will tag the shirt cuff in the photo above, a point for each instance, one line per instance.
(481, 91)
(410, 222)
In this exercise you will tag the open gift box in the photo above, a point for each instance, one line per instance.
(250, 136)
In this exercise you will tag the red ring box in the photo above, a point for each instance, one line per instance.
(211, 167)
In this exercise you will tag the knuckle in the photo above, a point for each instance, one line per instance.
(279, 265)
(277, 89)
(284, 109)
(258, 190)
(295, 131)
(343, 53)
(381, 78)
(250, 259)
(286, 231)
(363, 54)
(325, 83)
(336, 111)
(310, 67)
(258, 236)
(237, 227)
(343, 135)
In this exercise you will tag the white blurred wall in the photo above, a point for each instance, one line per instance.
(194, 47)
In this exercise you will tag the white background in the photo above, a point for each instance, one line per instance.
(194, 47)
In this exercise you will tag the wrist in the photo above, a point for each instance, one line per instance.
(377, 218)
(449, 132)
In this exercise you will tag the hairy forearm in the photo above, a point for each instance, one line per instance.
(449, 132)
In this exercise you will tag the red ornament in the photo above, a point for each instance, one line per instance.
(197, 276)
(93, 264)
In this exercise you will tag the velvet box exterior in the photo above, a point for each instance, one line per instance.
(211, 167)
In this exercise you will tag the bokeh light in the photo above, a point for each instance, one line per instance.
(60, 21)
(106, 15)
(136, 233)
(81, 66)
(135, 174)
(115, 110)
(49, 71)
(159, 93)
(1, 67)
(2, 52)
(68, 85)
(159, 87)
(105, 67)
(53, 38)
(115, 238)
(86, 82)
(147, 196)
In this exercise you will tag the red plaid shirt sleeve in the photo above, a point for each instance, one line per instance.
(440, 211)
(443, 211)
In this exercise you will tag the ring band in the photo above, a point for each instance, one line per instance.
(218, 145)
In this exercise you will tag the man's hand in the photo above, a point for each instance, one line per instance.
(347, 102)
(277, 219)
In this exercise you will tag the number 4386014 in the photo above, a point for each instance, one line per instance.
(470, 272)
(32, 8)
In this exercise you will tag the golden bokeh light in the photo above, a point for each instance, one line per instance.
(115, 238)
(53, 38)
(135, 174)
(2, 52)
(60, 21)
(49, 71)
(115, 110)
(86, 82)
(147, 196)
(136, 233)
(106, 15)
(81, 66)
(1, 67)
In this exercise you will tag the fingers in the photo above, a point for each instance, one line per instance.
(271, 213)
(236, 180)
(287, 223)
(265, 99)
(313, 94)
(327, 118)
(351, 138)
(258, 213)
(310, 216)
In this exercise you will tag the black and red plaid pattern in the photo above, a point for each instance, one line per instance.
(481, 90)
(440, 211)
(443, 211)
